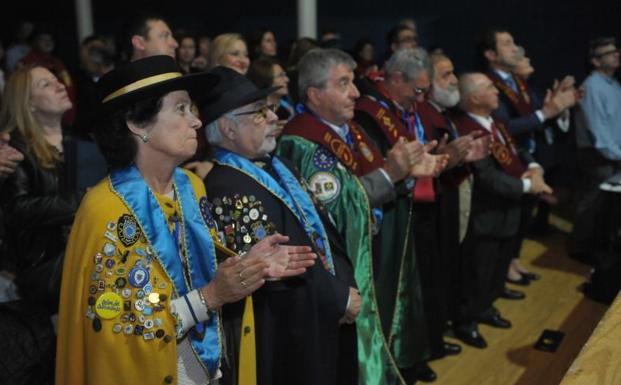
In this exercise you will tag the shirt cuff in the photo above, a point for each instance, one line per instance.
(348, 301)
(540, 116)
(386, 176)
(186, 320)
(526, 183)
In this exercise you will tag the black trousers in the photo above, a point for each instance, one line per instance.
(485, 261)
(434, 275)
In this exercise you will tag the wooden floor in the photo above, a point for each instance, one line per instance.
(554, 303)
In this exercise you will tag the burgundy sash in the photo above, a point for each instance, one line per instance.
(393, 129)
(433, 121)
(505, 154)
(365, 156)
(521, 102)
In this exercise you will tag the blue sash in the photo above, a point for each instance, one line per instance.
(130, 186)
(290, 193)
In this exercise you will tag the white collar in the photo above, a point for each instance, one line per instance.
(503, 74)
(341, 130)
(485, 121)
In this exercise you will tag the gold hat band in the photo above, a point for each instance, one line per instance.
(141, 84)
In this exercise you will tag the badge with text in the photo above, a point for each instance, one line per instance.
(108, 305)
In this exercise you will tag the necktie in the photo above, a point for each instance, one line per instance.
(511, 83)
(423, 190)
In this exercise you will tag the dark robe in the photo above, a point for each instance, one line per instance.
(298, 337)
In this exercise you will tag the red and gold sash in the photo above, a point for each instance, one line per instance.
(361, 160)
(391, 125)
(505, 153)
(393, 129)
(521, 102)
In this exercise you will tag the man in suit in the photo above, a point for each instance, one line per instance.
(500, 181)
(523, 113)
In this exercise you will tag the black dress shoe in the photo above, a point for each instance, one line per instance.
(523, 281)
(531, 276)
(495, 320)
(424, 373)
(470, 336)
(512, 294)
(451, 349)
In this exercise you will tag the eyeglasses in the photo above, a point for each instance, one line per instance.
(260, 115)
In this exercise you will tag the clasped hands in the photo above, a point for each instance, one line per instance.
(538, 186)
(413, 159)
(238, 277)
(467, 148)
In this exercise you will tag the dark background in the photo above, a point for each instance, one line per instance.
(555, 33)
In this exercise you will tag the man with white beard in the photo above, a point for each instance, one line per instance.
(297, 334)
(453, 203)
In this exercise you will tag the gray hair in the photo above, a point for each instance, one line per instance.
(410, 62)
(212, 130)
(314, 68)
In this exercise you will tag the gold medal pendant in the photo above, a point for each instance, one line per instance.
(501, 153)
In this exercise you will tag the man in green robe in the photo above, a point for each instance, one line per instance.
(349, 175)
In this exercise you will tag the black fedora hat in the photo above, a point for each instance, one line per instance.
(233, 91)
(151, 76)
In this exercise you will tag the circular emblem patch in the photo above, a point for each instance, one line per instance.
(128, 230)
(138, 276)
(108, 305)
(325, 186)
(323, 159)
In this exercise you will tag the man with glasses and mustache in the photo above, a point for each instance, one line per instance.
(599, 158)
(354, 180)
(254, 194)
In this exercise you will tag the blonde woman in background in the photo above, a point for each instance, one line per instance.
(229, 50)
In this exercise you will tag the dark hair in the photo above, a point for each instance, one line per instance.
(254, 42)
(261, 72)
(599, 42)
(393, 35)
(299, 48)
(360, 44)
(136, 25)
(487, 41)
(115, 140)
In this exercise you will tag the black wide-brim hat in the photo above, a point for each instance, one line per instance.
(149, 77)
(233, 91)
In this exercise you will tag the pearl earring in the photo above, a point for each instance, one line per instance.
(145, 138)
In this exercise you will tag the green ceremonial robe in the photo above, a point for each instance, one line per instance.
(345, 198)
(398, 283)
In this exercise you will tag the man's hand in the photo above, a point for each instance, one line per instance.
(429, 165)
(480, 149)
(538, 186)
(457, 150)
(283, 260)
(533, 171)
(401, 157)
(353, 308)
